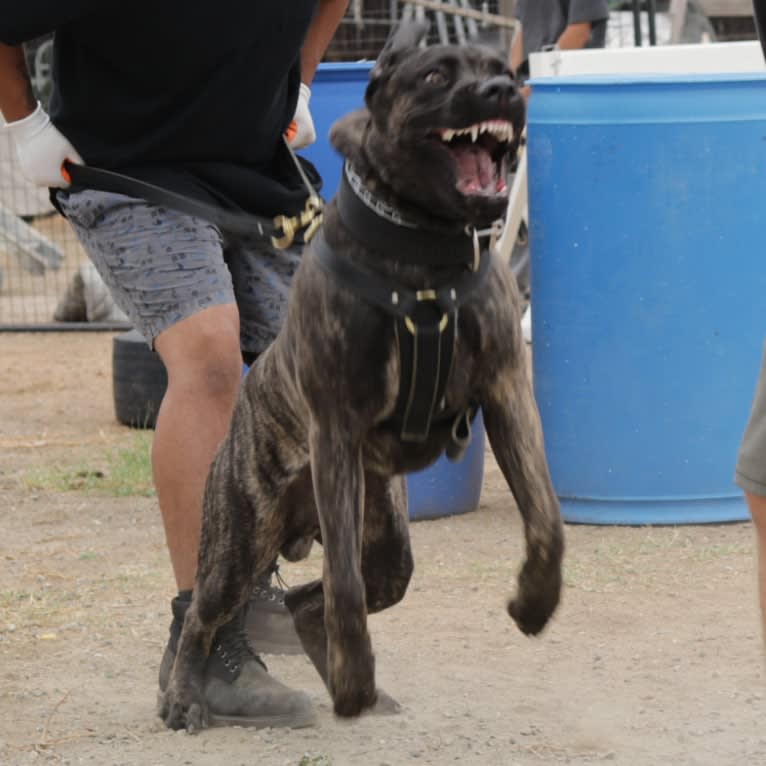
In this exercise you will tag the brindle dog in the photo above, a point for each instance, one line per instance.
(314, 452)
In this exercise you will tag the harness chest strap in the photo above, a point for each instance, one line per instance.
(425, 322)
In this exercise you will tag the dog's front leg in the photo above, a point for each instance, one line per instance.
(515, 434)
(183, 703)
(338, 477)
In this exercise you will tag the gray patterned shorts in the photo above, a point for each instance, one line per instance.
(751, 461)
(162, 266)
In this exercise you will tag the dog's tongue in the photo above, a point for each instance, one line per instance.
(475, 170)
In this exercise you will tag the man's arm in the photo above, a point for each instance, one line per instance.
(16, 97)
(583, 15)
(517, 49)
(325, 22)
(301, 132)
(40, 147)
(574, 36)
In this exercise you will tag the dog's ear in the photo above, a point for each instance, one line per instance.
(404, 37)
(347, 135)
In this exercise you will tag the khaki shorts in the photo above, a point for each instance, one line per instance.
(751, 460)
(162, 266)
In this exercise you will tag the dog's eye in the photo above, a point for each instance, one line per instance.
(435, 77)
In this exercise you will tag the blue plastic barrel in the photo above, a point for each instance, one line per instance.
(446, 488)
(337, 89)
(647, 202)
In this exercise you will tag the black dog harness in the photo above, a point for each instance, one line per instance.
(425, 321)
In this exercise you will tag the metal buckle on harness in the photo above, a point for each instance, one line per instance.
(310, 218)
(494, 232)
(472, 232)
(420, 296)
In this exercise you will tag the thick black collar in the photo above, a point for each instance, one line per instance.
(380, 227)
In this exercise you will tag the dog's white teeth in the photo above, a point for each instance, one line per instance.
(501, 130)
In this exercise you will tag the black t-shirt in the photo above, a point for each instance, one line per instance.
(193, 96)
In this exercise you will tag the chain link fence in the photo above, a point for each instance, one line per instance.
(46, 280)
(43, 269)
(367, 24)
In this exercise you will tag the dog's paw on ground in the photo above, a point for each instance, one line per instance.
(386, 705)
(179, 715)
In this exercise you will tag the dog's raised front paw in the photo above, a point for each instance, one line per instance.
(536, 600)
(529, 617)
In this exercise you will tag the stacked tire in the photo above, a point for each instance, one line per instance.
(139, 380)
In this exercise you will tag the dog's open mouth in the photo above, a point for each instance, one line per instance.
(479, 152)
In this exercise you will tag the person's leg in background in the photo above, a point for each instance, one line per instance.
(167, 272)
(757, 506)
(751, 476)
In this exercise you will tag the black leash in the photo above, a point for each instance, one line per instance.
(106, 180)
(280, 231)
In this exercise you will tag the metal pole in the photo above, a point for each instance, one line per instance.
(637, 22)
(652, 19)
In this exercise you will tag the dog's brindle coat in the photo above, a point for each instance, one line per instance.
(311, 453)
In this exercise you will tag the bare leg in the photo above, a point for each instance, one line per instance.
(757, 507)
(204, 367)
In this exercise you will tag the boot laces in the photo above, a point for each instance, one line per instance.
(233, 646)
(265, 590)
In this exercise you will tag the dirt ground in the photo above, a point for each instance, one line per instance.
(653, 658)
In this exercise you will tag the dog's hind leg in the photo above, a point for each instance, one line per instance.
(224, 573)
(386, 568)
(515, 433)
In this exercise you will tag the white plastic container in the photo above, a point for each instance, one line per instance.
(704, 58)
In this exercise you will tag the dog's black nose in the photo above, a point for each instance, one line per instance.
(500, 88)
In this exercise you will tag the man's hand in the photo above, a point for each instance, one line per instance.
(41, 149)
(301, 132)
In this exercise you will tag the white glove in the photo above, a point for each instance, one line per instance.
(41, 149)
(301, 132)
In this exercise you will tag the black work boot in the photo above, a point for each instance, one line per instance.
(269, 622)
(238, 688)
